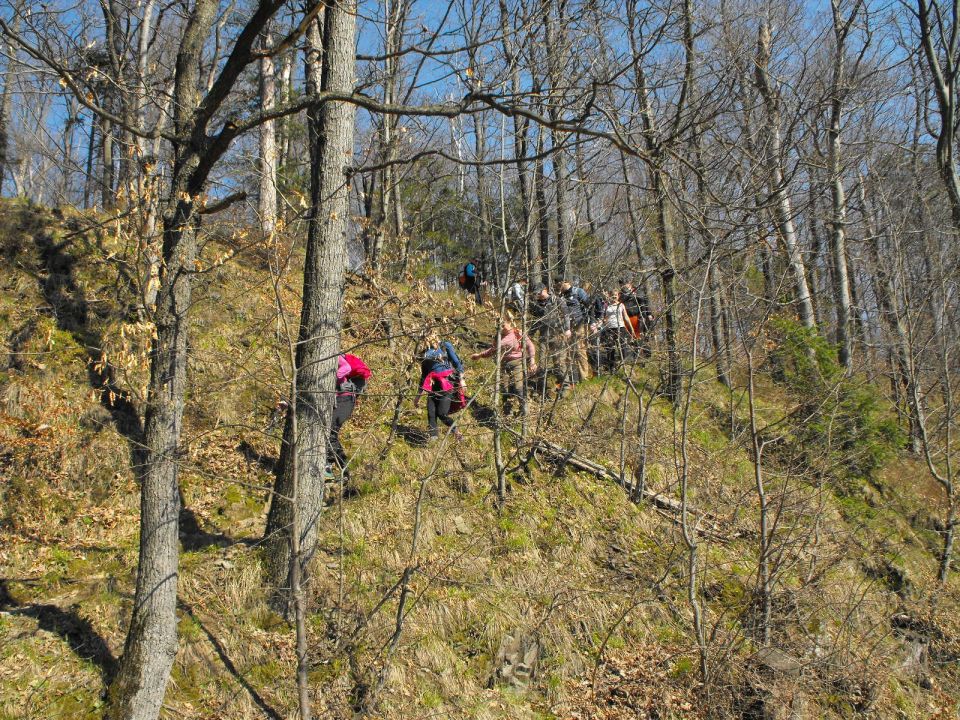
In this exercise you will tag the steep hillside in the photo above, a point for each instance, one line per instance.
(569, 599)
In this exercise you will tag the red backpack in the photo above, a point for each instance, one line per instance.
(459, 400)
(359, 372)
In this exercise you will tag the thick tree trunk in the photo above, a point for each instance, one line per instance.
(331, 141)
(6, 101)
(138, 689)
(107, 196)
(151, 643)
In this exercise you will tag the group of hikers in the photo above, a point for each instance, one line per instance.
(578, 334)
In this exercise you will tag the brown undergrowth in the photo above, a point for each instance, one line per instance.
(568, 565)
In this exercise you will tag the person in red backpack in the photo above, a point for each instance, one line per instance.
(440, 379)
(352, 376)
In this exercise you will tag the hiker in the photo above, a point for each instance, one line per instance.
(440, 380)
(514, 347)
(641, 319)
(552, 325)
(516, 296)
(471, 280)
(614, 333)
(598, 304)
(352, 376)
(440, 355)
(578, 310)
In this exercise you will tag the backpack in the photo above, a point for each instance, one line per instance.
(359, 372)
(459, 400)
(462, 278)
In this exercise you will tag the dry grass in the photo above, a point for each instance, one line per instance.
(599, 582)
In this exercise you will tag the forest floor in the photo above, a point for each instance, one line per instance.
(568, 576)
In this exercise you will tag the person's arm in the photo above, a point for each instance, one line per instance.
(625, 318)
(485, 353)
(425, 384)
(452, 354)
(531, 353)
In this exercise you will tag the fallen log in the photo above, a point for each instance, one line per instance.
(674, 507)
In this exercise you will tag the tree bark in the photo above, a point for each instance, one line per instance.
(267, 204)
(151, 646)
(331, 127)
(838, 220)
(782, 207)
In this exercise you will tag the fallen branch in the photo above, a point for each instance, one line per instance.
(671, 506)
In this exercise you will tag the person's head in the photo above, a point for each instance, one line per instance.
(543, 292)
(626, 288)
(562, 286)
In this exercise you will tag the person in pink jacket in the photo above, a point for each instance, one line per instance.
(515, 348)
(347, 389)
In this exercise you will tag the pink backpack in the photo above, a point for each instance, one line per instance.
(359, 372)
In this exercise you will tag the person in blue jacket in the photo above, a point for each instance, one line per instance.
(471, 281)
(441, 374)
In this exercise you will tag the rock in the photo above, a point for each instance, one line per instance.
(461, 525)
(516, 661)
(777, 661)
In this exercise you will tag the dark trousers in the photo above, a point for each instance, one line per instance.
(341, 413)
(614, 341)
(474, 289)
(438, 408)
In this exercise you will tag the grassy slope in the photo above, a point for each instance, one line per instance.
(568, 560)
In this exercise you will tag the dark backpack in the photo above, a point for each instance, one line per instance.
(632, 303)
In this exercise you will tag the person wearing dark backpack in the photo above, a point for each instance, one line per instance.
(441, 374)
(352, 376)
(578, 310)
(471, 281)
(638, 310)
(552, 325)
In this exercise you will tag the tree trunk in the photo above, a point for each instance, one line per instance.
(532, 266)
(542, 217)
(107, 196)
(138, 689)
(6, 100)
(838, 219)
(267, 206)
(331, 141)
(782, 209)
